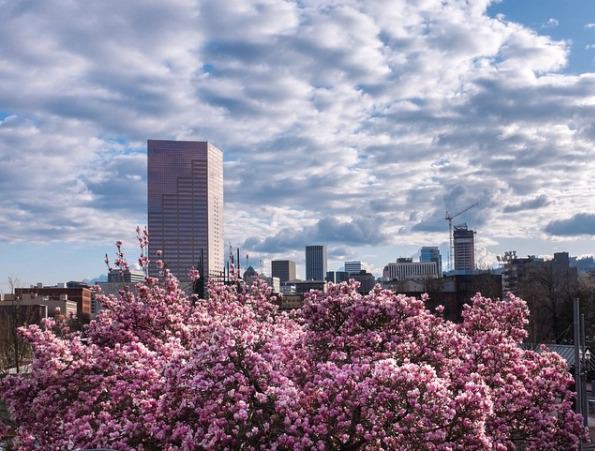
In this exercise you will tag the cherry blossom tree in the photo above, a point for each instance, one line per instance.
(158, 369)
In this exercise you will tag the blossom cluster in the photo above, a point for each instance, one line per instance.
(160, 370)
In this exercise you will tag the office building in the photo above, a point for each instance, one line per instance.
(366, 280)
(55, 306)
(283, 269)
(452, 292)
(406, 269)
(304, 286)
(464, 249)
(521, 275)
(110, 289)
(336, 276)
(185, 211)
(353, 267)
(125, 276)
(316, 258)
(431, 254)
(81, 295)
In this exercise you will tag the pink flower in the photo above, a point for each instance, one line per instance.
(158, 369)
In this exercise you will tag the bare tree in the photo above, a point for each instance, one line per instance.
(549, 292)
(13, 350)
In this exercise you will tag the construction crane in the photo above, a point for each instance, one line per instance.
(449, 218)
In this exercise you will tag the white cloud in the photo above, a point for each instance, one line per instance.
(550, 23)
(387, 111)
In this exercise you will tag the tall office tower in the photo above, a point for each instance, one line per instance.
(353, 267)
(283, 269)
(315, 262)
(464, 249)
(185, 181)
(431, 254)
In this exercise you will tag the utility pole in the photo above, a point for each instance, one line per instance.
(200, 283)
(580, 365)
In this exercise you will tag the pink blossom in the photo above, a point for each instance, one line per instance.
(159, 370)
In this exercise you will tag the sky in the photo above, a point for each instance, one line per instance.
(351, 124)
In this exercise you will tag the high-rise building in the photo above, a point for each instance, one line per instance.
(283, 269)
(185, 181)
(316, 262)
(431, 254)
(353, 267)
(464, 249)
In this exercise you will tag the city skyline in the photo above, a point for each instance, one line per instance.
(346, 126)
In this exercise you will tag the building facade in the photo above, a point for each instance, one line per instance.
(405, 269)
(316, 261)
(80, 295)
(464, 249)
(429, 254)
(185, 207)
(283, 269)
(354, 266)
(125, 276)
(55, 306)
(110, 289)
(336, 276)
(366, 280)
(304, 286)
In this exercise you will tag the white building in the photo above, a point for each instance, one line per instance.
(405, 269)
(354, 266)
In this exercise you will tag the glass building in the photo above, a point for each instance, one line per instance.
(316, 262)
(185, 211)
(429, 254)
(283, 269)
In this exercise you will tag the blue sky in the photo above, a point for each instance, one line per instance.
(562, 20)
(355, 124)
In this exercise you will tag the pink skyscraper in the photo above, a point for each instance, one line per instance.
(185, 214)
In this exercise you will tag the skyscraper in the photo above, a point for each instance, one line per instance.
(315, 262)
(464, 246)
(431, 254)
(283, 269)
(185, 214)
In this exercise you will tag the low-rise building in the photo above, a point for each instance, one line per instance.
(336, 276)
(304, 286)
(127, 276)
(367, 281)
(406, 269)
(81, 295)
(109, 289)
(59, 306)
(353, 267)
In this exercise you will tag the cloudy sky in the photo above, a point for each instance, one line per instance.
(355, 124)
